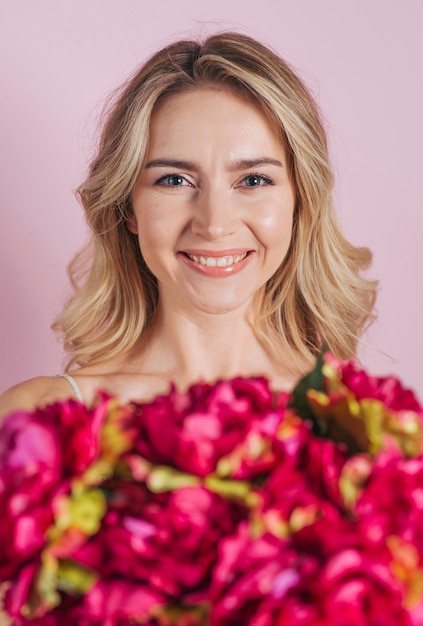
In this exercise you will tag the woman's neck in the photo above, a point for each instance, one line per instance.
(187, 348)
(184, 350)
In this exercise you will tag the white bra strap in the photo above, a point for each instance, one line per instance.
(74, 385)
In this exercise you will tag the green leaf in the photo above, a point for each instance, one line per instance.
(237, 489)
(299, 398)
(163, 478)
(74, 577)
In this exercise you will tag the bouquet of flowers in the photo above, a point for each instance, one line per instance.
(224, 505)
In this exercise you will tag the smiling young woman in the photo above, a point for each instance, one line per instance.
(215, 250)
(214, 200)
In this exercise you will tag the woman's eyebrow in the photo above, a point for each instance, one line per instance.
(245, 164)
(177, 163)
(234, 166)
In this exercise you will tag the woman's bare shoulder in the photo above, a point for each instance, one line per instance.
(33, 393)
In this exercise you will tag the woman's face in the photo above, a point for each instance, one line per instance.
(214, 202)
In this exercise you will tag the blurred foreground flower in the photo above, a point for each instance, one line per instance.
(223, 505)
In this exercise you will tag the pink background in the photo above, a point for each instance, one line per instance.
(59, 60)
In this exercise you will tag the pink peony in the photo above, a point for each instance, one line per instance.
(35, 466)
(120, 602)
(387, 389)
(303, 488)
(245, 574)
(366, 413)
(391, 504)
(349, 581)
(40, 455)
(193, 430)
(327, 575)
(167, 541)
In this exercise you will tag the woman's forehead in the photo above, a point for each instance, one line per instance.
(209, 113)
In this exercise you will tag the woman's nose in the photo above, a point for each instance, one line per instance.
(214, 215)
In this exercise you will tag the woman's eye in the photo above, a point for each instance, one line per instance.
(172, 180)
(257, 180)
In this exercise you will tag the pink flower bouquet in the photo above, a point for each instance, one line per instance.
(224, 505)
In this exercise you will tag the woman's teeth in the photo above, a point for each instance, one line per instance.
(221, 261)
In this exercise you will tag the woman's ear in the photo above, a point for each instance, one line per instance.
(131, 224)
(131, 220)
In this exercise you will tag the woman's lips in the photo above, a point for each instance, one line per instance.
(217, 261)
(217, 264)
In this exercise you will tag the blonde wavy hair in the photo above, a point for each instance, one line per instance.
(316, 297)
